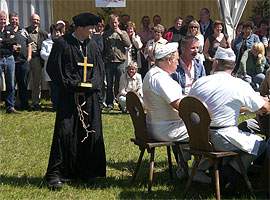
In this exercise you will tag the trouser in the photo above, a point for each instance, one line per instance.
(113, 70)
(7, 64)
(221, 144)
(54, 94)
(36, 73)
(22, 72)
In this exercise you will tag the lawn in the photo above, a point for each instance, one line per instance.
(25, 142)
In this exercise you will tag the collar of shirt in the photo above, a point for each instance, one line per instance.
(185, 66)
(133, 78)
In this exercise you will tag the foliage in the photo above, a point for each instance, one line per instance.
(262, 7)
(106, 12)
(25, 142)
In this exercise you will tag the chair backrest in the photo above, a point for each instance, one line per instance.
(135, 107)
(197, 119)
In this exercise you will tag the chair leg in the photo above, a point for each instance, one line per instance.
(239, 161)
(217, 178)
(151, 171)
(138, 165)
(181, 159)
(197, 158)
(170, 161)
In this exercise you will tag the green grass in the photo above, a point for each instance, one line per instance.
(25, 142)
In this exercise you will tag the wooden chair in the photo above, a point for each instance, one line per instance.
(135, 107)
(197, 119)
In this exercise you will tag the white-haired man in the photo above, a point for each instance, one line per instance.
(226, 96)
(162, 96)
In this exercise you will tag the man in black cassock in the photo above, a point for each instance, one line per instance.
(77, 150)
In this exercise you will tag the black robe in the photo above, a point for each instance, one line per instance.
(70, 158)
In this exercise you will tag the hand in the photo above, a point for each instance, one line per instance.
(117, 30)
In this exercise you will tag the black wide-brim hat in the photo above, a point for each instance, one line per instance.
(86, 19)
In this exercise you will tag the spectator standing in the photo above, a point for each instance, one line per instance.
(125, 18)
(174, 33)
(153, 44)
(243, 42)
(115, 43)
(190, 68)
(257, 18)
(145, 34)
(133, 51)
(56, 31)
(262, 29)
(7, 63)
(38, 36)
(206, 23)
(184, 28)
(194, 30)
(23, 56)
(217, 39)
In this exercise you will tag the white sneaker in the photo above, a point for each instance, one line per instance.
(180, 172)
(200, 176)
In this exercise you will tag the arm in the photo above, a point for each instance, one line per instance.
(29, 52)
(229, 43)
(125, 38)
(205, 51)
(137, 41)
(260, 65)
(265, 85)
(44, 52)
(175, 104)
(243, 64)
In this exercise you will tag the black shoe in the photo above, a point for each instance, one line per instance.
(55, 184)
(108, 108)
(37, 107)
(14, 111)
(90, 182)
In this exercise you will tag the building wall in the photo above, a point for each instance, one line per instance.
(167, 9)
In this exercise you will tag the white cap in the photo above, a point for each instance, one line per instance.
(61, 22)
(225, 54)
(164, 50)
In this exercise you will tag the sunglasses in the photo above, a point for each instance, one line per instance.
(193, 27)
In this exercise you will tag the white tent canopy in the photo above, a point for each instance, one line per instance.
(231, 12)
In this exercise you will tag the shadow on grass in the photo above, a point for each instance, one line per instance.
(22, 181)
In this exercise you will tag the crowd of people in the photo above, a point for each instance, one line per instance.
(163, 65)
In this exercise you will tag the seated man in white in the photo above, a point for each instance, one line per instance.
(226, 96)
(162, 96)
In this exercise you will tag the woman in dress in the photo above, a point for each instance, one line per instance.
(217, 39)
(194, 30)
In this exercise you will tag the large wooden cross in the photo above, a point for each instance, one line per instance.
(85, 65)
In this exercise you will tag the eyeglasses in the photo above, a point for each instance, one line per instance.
(193, 27)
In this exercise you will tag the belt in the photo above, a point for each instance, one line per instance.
(220, 127)
(5, 56)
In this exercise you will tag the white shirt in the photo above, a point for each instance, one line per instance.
(163, 122)
(225, 95)
(45, 53)
(130, 84)
(190, 75)
(136, 41)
